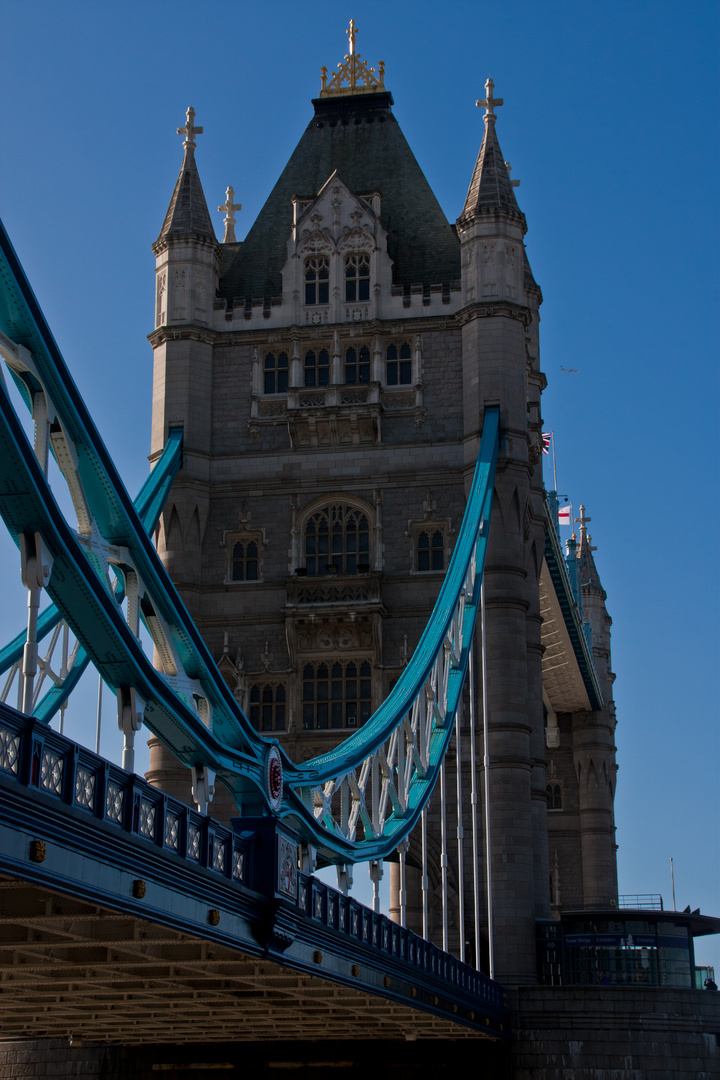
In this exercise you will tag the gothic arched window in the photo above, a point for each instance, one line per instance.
(431, 550)
(317, 280)
(317, 367)
(357, 365)
(399, 365)
(553, 793)
(267, 707)
(336, 695)
(276, 373)
(337, 541)
(357, 278)
(244, 561)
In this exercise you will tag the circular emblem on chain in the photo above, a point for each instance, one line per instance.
(274, 777)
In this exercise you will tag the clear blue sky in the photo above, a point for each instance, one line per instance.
(609, 122)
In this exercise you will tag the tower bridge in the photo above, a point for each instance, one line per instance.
(368, 644)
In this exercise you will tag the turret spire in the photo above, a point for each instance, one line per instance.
(589, 577)
(491, 189)
(188, 215)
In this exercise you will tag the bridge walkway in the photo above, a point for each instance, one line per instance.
(125, 914)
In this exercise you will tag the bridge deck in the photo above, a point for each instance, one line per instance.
(123, 912)
(70, 968)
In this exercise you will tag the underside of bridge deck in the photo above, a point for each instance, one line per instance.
(74, 970)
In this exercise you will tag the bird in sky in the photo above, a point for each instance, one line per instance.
(569, 370)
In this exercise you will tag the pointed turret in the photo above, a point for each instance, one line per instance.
(594, 740)
(491, 226)
(501, 366)
(587, 570)
(186, 278)
(188, 216)
(186, 251)
(491, 189)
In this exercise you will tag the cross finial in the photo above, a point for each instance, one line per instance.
(228, 208)
(189, 131)
(489, 102)
(352, 34)
(582, 521)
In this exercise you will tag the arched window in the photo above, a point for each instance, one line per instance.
(244, 562)
(553, 793)
(399, 365)
(317, 280)
(357, 278)
(431, 550)
(357, 365)
(317, 367)
(267, 707)
(336, 695)
(276, 373)
(337, 541)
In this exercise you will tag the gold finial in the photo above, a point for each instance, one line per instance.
(489, 102)
(352, 34)
(353, 75)
(189, 131)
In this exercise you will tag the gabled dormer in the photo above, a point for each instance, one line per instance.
(353, 142)
(338, 265)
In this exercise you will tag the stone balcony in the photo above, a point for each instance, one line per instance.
(334, 415)
(334, 593)
(330, 616)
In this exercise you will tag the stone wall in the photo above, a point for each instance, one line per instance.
(233, 1061)
(615, 1033)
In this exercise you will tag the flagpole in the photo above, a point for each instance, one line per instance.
(554, 465)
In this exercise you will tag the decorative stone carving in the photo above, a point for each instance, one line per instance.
(354, 238)
(161, 298)
(315, 240)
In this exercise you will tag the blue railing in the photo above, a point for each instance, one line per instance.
(38, 757)
(361, 925)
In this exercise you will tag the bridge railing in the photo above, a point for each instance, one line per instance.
(336, 911)
(39, 757)
(53, 767)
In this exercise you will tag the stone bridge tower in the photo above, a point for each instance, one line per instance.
(331, 372)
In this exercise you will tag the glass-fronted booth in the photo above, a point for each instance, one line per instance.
(621, 948)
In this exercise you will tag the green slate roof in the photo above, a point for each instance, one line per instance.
(360, 138)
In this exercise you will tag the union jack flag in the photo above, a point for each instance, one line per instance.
(546, 437)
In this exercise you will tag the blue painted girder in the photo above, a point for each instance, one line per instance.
(148, 504)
